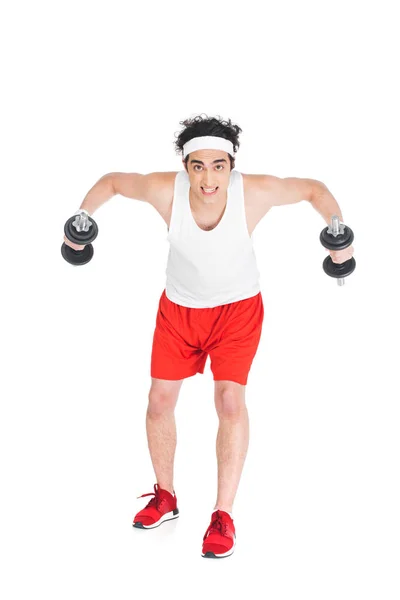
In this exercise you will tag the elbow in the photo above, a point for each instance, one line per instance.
(318, 189)
(109, 178)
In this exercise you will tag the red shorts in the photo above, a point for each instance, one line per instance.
(183, 338)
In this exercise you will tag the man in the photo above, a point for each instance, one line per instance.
(212, 303)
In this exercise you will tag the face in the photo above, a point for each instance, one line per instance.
(209, 169)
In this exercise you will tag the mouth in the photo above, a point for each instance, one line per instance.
(209, 193)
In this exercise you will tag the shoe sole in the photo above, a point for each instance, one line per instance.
(224, 555)
(169, 516)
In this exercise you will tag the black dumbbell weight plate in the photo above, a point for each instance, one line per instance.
(338, 242)
(338, 270)
(77, 257)
(80, 237)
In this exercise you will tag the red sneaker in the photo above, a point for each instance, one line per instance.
(163, 507)
(220, 538)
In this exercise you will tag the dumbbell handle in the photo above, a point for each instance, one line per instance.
(81, 222)
(335, 229)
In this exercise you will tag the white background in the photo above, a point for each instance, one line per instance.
(95, 87)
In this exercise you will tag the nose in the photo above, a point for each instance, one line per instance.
(208, 183)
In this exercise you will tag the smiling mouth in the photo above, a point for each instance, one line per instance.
(210, 192)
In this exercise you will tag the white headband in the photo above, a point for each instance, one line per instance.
(208, 142)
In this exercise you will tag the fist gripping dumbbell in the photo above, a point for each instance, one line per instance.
(82, 230)
(337, 237)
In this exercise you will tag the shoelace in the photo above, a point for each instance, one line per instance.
(217, 525)
(157, 500)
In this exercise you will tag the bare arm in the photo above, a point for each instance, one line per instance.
(287, 190)
(324, 203)
(279, 191)
(130, 185)
(99, 194)
(293, 189)
(154, 188)
(151, 188)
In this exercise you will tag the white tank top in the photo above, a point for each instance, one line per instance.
(210, 268)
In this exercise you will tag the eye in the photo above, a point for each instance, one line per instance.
(195, 167)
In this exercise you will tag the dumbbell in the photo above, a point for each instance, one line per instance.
(79, 229)
(337, 237)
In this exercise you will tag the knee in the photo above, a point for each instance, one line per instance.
(160, 404)
(229, 405)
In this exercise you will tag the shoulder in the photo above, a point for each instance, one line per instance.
(275, 191)
(255, 186)
(160, 189)
(161, 181)
(257, 182)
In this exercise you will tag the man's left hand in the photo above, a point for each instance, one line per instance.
(340, 256)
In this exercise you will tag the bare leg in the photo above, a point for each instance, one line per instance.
(232, 440)
(161, 429)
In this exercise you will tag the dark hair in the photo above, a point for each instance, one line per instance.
(197, 126)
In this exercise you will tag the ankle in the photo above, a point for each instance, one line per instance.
(227, 509)
(168, 488)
